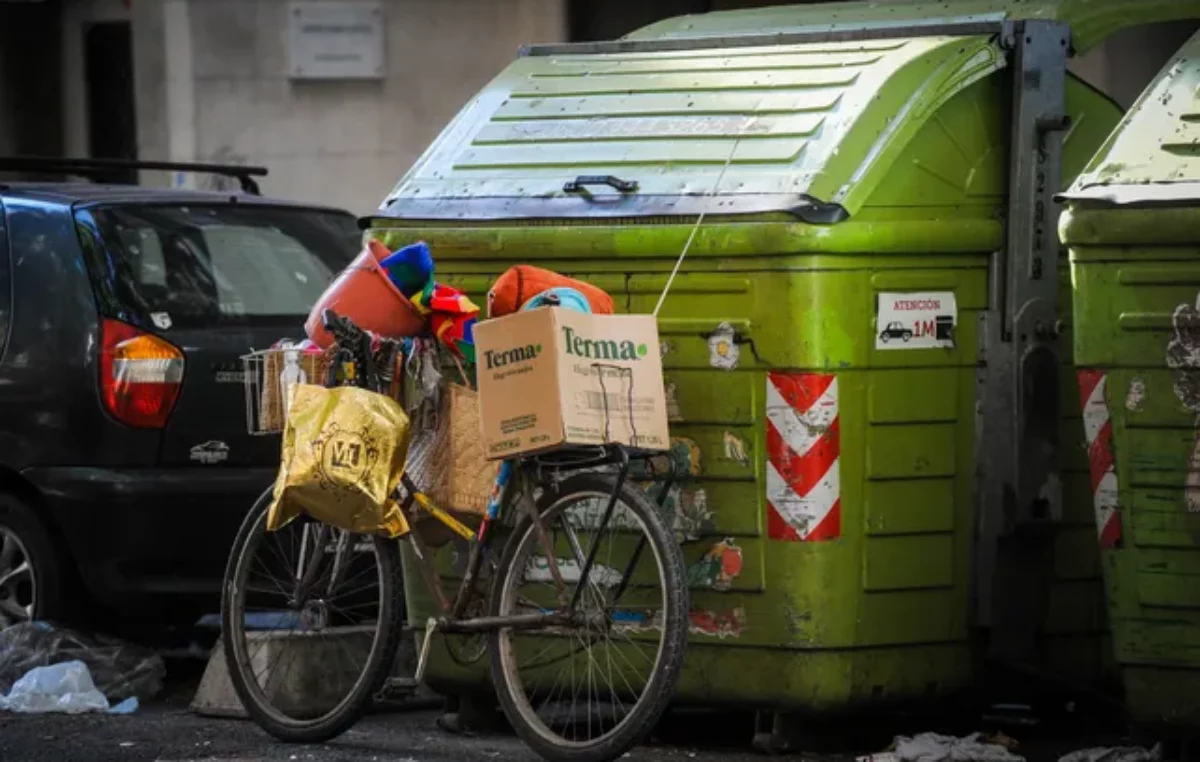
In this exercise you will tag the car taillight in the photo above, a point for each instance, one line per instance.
(140, 375)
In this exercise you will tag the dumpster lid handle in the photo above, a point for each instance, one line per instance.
(614, 182)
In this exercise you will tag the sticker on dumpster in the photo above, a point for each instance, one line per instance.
(672, 394)
(1183, 356)
(686, 454)
(685, 511)
(804, 499)
(723, 349)
(735, 449)
(718, 567)
(1098, 432)
(921, 320)
(716, 624)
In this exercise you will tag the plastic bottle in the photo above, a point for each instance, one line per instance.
(292, 375)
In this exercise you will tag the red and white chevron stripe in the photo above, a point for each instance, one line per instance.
(1097, 427)
(803, 447)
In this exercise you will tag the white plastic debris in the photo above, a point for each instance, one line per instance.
(128, 706)
(66, 687)
(932, 747)
(119, 670)
(1116, 754)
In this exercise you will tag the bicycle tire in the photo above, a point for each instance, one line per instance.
(379, 663)
(639, 722)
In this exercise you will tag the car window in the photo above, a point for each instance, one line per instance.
(188, 266)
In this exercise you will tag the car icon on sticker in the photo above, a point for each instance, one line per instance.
(895, 330)
(210, 452)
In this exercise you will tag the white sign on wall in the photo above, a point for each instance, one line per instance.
(918, 320)
(335, 39)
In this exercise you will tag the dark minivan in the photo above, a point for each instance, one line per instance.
(125, 462)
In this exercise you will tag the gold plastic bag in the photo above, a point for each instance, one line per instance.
(343, 454)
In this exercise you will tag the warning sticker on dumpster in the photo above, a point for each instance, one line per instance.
(919, 320)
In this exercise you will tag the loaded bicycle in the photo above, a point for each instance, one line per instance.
(582, 614)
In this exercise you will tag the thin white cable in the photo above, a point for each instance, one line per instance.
(699, 220)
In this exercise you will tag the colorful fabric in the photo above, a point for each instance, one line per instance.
(436, 297)
(410, 268)
(455, 332)
(451, 316)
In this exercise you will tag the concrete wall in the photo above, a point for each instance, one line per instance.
(150, 83)
(1125, 63)
(30, 115)
(610, 19)
(8, 105)
(212, 86)
(77, 15)
(592, 20)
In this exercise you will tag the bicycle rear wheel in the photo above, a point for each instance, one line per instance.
(591, 691)
(311, 620)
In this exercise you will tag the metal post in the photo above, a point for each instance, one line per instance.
(1020, 490)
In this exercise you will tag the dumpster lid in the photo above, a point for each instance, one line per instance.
(1153, 156)
(1091, 21)
(809, 129)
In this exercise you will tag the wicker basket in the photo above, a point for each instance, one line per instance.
(461, 476)
(448, 462)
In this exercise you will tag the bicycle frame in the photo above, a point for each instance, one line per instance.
(557, 514)
(353, 350)
(452, 620)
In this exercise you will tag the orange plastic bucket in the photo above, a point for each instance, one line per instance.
(364, 293)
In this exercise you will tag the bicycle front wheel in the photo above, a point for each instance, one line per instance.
(311, 621)
(590, 691)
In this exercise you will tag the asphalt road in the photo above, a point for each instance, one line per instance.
(167, 731)
(172, 734)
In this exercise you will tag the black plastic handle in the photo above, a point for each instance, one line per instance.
(612, 181)
(343, 328)
(330, 320)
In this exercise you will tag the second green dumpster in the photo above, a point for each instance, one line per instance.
(1133, 227)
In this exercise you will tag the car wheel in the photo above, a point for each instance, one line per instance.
(30, 583)
(885, 338)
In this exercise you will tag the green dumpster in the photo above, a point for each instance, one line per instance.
(1133, 227)
(820, 341)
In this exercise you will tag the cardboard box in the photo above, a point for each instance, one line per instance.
(551, 377)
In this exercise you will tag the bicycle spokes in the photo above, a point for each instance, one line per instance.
(581, 679)
(309, 606)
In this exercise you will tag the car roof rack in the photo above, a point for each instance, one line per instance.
(97, 168)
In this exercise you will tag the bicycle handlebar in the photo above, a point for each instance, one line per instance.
(351, 340)
(341, 327)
